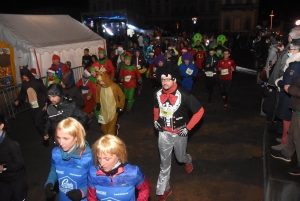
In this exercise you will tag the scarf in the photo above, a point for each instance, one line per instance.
(168, 95)
(102, 61)
(75, 153)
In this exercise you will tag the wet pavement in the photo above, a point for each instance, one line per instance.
(226, 146)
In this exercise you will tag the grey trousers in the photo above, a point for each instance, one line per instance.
(166, 142)
(293, 141)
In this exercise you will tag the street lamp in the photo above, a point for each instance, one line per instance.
(297, 22)
(271, 16)
(194, 19)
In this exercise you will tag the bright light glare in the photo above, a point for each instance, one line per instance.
(107, 30)
(297, 22)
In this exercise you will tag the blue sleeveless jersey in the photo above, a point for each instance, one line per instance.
(121, 187)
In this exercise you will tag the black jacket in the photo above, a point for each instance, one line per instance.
(63, 110)
(11, 155)
(72, 90)
(39, 88)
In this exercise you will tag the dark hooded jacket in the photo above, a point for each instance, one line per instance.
(71, 90)
(64, 109)
(37, 86)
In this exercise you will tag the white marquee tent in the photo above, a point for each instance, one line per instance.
(33, 39)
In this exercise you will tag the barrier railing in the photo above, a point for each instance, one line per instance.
(8, 94)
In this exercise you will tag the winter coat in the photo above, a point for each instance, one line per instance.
(62, 110)
(272, 56)
(11, 155)
(278, 68)
(290, 75)
(72, 90)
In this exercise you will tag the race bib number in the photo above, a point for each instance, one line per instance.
(209, 73)
(34, 104)
(219, 51)
(189, 71)
(85, 91)
(127, 78)
(224, 72)
(154, 70)
(166, 112)
(101, 119)
(138, 67)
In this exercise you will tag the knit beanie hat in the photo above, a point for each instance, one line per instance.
(159, 58)
(55, 57)
(101, 50)
(187, 56)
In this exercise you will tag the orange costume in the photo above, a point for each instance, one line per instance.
(110, 101)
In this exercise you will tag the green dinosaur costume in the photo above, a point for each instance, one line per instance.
(220, 48)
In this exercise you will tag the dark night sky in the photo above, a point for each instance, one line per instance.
(287, 10)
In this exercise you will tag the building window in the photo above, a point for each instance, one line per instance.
(247, 24)
(201, 6)
(238, 1)
(212, 6)
(228, 2)
(175, 8)
(227, 24)
(249, 1)
(167, 9)
(193, 8)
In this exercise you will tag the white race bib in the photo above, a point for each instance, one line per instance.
(224, 72)
(154, 70)
(219, 51)
(166, 112)
(50, 82)
(127, 78)
(209, 73)
(84, 91)
(34, 104)
(138, 67)
(189, 71)
(101, 119)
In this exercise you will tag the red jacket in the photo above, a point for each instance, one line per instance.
(226, 67)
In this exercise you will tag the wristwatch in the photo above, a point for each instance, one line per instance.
(4, 167)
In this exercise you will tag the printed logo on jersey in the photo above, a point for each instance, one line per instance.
(66, 184)
(101, 192)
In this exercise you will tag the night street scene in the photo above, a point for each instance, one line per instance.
(114, 100)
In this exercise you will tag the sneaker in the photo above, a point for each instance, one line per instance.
(165, 195)
(189, 168)
(279, 155)
(278, 139)
(294, 170)
(278, 147)
(117, 129)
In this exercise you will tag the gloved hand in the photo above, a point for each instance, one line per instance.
(98, 106)
(49, 192)
(119, 110)
(74, 195)
(157, 126)
(183, 132)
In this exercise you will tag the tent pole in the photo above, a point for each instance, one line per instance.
(37, 63)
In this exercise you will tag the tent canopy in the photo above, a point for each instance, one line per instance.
(45, 33)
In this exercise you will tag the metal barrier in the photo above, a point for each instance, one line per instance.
(8, 94)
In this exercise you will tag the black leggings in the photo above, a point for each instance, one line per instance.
(14, 190)
(225, 88)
